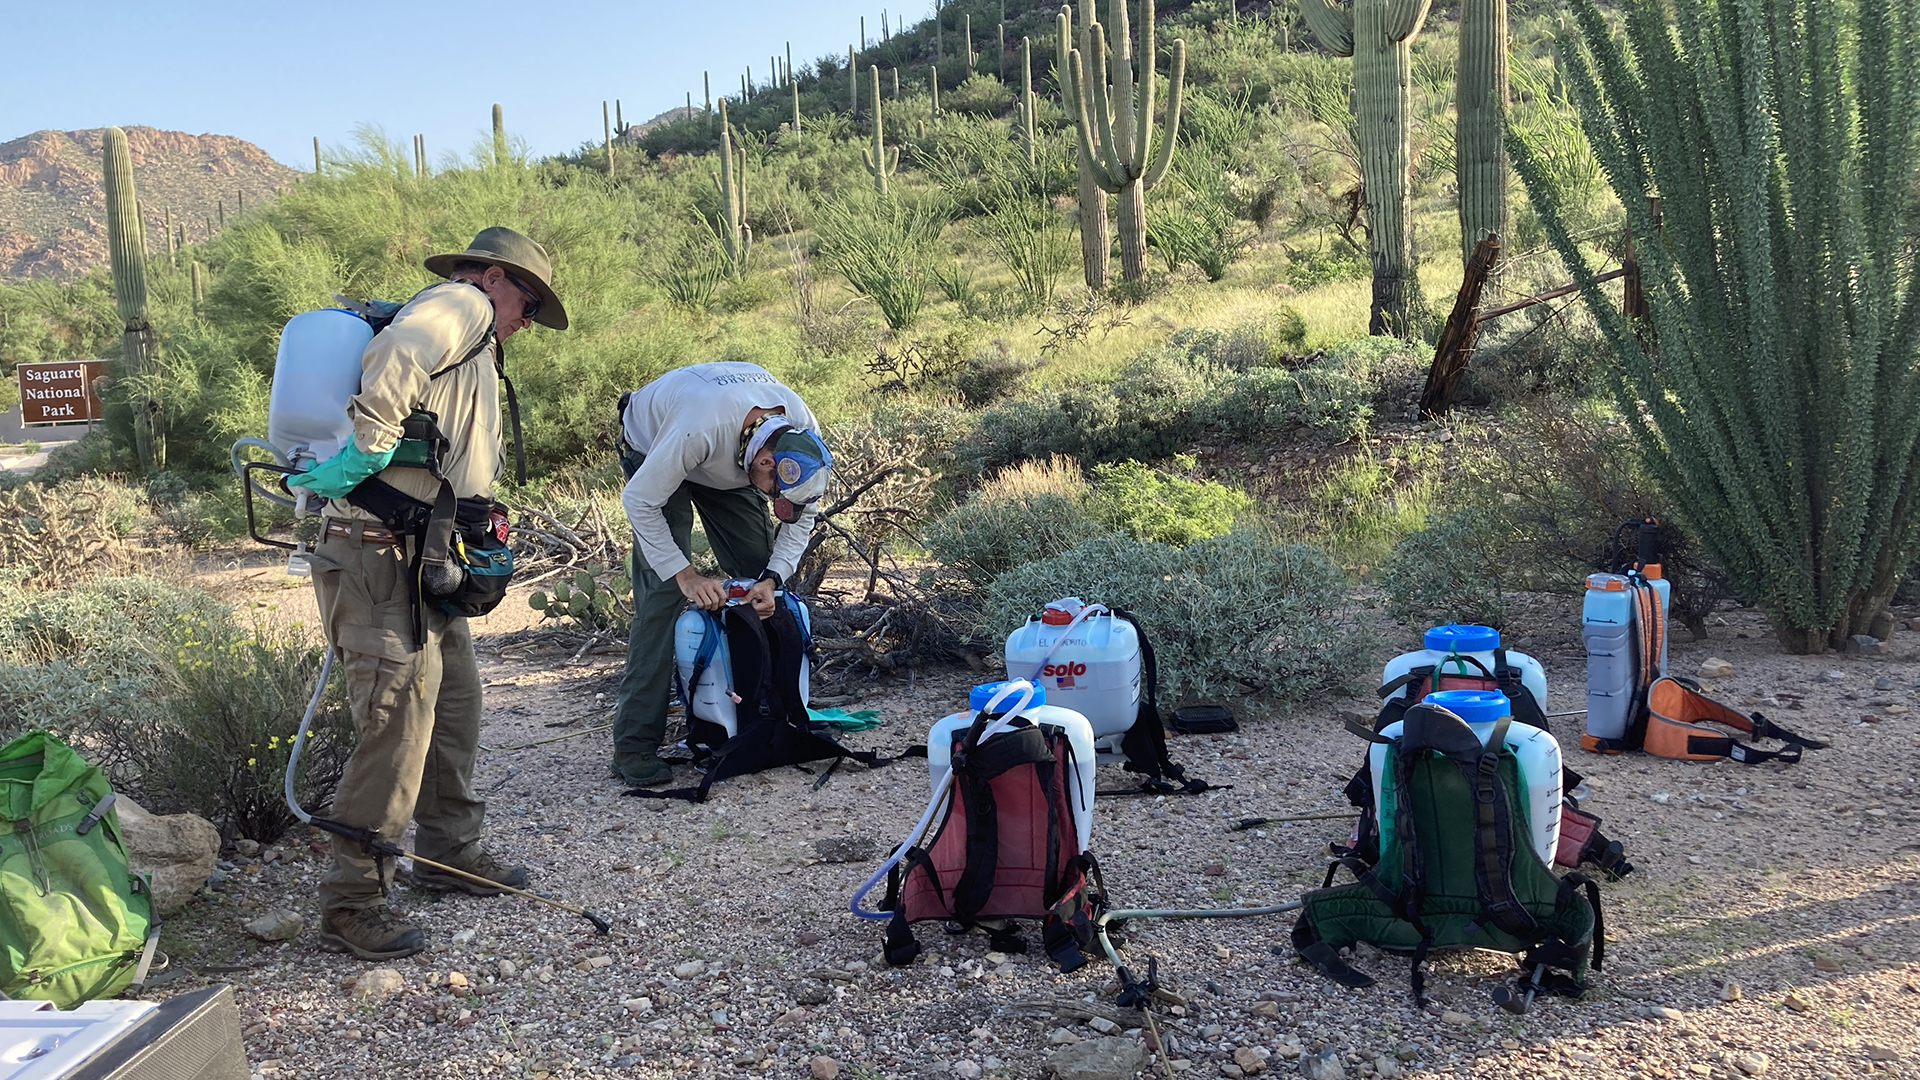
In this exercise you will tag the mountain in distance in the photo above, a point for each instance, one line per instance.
(53, 215)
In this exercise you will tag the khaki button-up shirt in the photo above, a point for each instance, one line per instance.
(430, 334)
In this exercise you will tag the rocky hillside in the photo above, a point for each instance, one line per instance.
(53, 221)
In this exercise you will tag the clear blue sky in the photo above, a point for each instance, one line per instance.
(278, 74)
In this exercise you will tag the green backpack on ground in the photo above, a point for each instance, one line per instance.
(75, 921)
(1450, 874)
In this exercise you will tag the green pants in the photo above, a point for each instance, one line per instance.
(416, 717)
(740, 528)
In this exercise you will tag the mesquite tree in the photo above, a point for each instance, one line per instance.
(1379, 35)
(1480, 102)
(1775, 385)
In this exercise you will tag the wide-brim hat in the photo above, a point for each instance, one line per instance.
(519, 256)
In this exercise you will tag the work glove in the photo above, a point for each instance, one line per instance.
(341, 473)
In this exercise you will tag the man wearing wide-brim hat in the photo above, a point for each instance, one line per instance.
(412, 680)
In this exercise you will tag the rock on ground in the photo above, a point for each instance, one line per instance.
(1324, 1065)
(378, 982)
(278, 925)
(823, 1067)
(176, 850)
(1098, 1059)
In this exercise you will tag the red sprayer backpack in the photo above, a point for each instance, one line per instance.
(1006, 848)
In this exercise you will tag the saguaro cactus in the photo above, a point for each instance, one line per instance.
(966, 35)
(606, 131)
(316, 155)
(794, 88)
(126, 249)
(881, 162)
(1028, 103)
(853, 83)
(1480, 147)
(736, 236)
(1116, 124)
(1095, 241)
(1379, 35)
(933, 85)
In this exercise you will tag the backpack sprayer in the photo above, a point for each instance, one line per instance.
(386, 849)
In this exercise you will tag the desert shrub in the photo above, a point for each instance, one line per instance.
(232, 699)
(1149, 412)
(1309, 268)
(1363, 505)
(1237, 612)
(1164, 507)
(1028, 511)
(1450, 571)
(990, 374)
(980, 95)
(1263, 342)
(159, 685)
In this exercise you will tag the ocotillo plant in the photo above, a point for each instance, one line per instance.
(1480, 133)
(1095, 241)
(1779, 412)
(1379, 35)
(736, 236)
(1029, 104)
(881, 162)
(499, 136)
(1116, 126)
(126, 249)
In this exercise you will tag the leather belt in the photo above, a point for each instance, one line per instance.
(369, 533)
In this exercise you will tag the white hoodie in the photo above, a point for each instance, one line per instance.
(688, 423)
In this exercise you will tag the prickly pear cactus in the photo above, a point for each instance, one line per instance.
(595, 600)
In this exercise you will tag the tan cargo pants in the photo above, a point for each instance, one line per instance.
(416, 713)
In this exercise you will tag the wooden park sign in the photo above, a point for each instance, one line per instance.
(62, 393)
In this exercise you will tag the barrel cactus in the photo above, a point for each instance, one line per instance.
(1379, 35)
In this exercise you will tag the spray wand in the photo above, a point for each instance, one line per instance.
(369, 839)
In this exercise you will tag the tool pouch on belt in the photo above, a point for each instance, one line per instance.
(472, 575)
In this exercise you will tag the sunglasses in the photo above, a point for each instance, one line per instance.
(531, 306)
(789, 511)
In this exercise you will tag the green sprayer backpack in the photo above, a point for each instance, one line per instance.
(75, 922)
(1450, 874)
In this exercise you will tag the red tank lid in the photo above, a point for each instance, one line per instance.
(1054, 616)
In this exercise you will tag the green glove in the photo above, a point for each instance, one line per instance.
(341, 473)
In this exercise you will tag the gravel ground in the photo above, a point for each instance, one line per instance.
(1771, 928)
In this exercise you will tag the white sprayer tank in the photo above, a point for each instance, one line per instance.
(1446, 645)
(317, 370)
(1089, 661)
(1536, 752)
(712, 700)
(1079, 735)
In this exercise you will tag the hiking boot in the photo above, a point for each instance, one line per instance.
(641, 770)
(373, 933)
(481, 865)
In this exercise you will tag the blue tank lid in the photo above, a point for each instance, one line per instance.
(984, 693)
(1473, 706)
(1463, 637)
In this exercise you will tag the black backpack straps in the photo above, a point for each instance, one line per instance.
(513, 417)
(1513, 684)
(1145, 743)
(785, 640)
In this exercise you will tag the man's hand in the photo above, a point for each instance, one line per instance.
(706, 592)
(761, 597)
